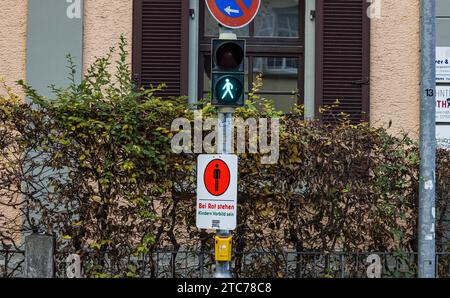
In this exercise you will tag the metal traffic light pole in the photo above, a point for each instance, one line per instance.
(224, 146)
(427, 209)
(225, 122)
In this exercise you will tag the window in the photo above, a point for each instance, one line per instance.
(443, 23)
(277, 65)
(275, 49)
(275, 21)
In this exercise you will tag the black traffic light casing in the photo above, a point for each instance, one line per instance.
(228, 72)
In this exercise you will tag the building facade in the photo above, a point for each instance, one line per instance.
(363, 53)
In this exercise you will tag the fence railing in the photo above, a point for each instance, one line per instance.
(288, 264)
(258, 264)
(11, 263)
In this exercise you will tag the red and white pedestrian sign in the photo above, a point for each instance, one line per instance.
(217, 191)
(234, 14)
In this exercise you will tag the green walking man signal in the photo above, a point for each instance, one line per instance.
(228, 72)
(227, 87)
(228, 92)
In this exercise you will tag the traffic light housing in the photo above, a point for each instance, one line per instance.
(228, 72)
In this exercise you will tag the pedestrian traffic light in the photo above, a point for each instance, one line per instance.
(228, 72)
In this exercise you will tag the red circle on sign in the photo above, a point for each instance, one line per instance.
(217, 177)
(235, 23)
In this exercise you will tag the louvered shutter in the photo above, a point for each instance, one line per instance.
(160, 44)
(343, 58)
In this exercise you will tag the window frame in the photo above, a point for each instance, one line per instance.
(266, 47)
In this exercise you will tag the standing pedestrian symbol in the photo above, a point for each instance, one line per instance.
(217, 177)
(228, 87)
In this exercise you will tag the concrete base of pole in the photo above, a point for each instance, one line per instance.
(39, 251)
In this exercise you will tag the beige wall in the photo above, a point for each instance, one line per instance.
(104, 21)
(395, 66)
(13, 21)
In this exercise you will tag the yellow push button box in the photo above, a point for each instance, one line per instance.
(223, 248)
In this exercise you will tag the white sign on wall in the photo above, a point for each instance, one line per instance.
(217, 191)
(443, 64)
(443, 104)
(443, 136)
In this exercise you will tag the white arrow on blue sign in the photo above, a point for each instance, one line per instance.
(231, 8)
(234, 13)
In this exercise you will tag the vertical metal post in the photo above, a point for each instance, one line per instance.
(310, 58)
(224, 145)
(427, 211)
(194, 6)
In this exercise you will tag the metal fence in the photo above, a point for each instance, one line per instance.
(289, 264)
(257, 264)
(11, 263)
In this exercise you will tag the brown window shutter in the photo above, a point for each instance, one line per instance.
(343, 58)
(160, 44)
